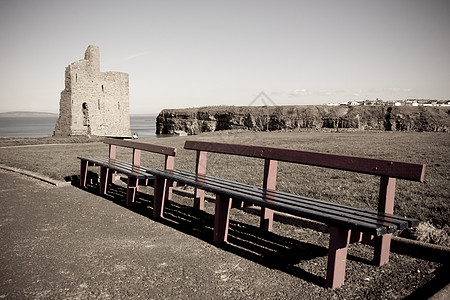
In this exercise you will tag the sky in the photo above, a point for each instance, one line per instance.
(196, 53)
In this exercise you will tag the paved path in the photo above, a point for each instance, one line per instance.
(66, 243)
(61, 242)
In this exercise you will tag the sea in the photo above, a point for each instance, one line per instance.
(43, 126)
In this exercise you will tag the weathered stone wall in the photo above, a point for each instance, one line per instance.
(93, 102)
(208, 119)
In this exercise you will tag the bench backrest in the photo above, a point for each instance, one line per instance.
(388, 170)
(395, 169)
(137, 147)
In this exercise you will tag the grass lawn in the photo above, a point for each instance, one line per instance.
(428, 201)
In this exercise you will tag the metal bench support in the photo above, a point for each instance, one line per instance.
(83, 172)
(132, 187)
(269, 183)
(199, 195)
(104, 179)
(159, 196)
(382, 244)
(337, 256)
(221, 218)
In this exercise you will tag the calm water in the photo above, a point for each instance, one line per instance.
(144, 126)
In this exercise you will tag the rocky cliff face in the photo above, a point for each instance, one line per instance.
(268, 118)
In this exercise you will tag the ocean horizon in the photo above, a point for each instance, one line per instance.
(43, 126)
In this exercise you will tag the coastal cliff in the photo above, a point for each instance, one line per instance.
(268, 118)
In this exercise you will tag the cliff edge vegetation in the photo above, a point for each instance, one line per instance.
(270, 118)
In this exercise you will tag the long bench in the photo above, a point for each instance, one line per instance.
(136, 174)
(347, 224)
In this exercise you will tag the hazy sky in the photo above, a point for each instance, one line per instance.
(199, 53)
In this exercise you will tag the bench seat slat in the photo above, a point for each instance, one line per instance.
(126, 166)
(113, 163)
(119, 166)
(394, 222)
(336, 220)
(365, 221)
(320, 203)
(314, 204)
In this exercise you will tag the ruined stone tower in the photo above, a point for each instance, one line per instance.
(93, 102)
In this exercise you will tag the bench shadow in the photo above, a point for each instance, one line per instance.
(265, 248)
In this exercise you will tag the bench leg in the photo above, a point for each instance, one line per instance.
(337, 256)
(237, 203)
(83, 173)
(104, 176)
(221, 218)
(266, 222)
(170, 191)
(386, 205)
(199, 199)
(382, 246)
(132, 187)
(159, 196)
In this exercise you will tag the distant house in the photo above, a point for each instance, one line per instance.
(430, 103)
(407, 102)
(411, 102)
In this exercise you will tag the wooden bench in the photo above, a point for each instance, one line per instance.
(346, 224)
(136, 174)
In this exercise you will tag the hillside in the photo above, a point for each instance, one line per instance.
(269, 118)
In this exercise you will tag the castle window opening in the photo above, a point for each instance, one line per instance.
(85, 114)
(103, 89)
(98, 104)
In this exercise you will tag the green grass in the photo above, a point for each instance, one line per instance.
(428, 201)
(13, 141)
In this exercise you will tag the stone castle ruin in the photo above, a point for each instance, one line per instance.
(93, 102)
